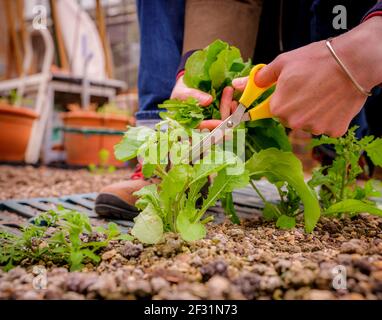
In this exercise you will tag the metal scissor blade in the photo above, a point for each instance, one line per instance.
(216, 135)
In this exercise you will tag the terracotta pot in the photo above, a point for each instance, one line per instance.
(15, 128)
(83, 148)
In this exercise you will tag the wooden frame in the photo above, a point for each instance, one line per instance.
(100, 16)
(15, 45)
(62, 55)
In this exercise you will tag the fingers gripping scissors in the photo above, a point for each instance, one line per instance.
(261, 111)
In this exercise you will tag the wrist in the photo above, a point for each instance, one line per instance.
(361, 51)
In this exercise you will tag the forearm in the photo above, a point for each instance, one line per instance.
(361, 51)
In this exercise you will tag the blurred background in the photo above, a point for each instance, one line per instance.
(68, 77)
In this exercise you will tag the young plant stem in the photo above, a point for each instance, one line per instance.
(206, 220)
(249, 146)
(257, 191)
(160, 172)
(343, 179)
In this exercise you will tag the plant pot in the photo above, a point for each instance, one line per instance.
(87, 133)
(16, 126)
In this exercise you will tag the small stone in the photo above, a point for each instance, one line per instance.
(109, 254)
(131, 250)
(80, 282)
(32, 295)
(377, 275)
(218, 286)
(236, 232)
(319, 295)
(197, 261)
(72, 296)
(159, 283)
(364, 266)
(352, 296)
(140, 288)
(378, 264)
(353, 246)
(104, 285)
(216, 267)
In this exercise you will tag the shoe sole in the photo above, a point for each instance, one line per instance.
(110, 206)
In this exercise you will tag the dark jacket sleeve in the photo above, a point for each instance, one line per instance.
(375, 11)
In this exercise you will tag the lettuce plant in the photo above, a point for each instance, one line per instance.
(176, 204)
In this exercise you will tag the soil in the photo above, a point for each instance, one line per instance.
(250, 261)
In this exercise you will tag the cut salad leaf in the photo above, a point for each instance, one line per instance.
(188, 113)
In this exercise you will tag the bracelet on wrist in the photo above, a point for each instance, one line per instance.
(345, 69)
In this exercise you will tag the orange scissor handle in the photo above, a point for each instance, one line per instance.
(252, 92)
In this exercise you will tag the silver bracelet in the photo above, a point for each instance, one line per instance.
(345, 69)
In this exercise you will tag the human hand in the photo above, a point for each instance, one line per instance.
(182, 92)
(312, 91)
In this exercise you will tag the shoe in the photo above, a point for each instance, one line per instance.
(117, 200)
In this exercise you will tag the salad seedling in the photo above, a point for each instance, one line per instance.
(338, 188)
(57, 236)
(104, 167)
(172, 205)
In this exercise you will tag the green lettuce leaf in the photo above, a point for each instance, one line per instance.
(173, 185)
(222, 184)
(187, 113)
(132, 141)
(286, 222)
(267, 133)
(189, 231)
(148, 226)
(147, 195)
(279, 166)
(270, 212)
(374, 151)
(220, 70)
(353, 206)
(198, 65)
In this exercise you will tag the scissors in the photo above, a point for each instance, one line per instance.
(261, 111)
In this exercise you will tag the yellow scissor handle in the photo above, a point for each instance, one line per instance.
(252, 92)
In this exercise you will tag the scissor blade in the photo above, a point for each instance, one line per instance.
(216, 135)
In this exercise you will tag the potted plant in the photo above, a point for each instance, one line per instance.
(86, 132)
(16, 126)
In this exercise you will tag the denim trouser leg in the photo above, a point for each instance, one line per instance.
(161, 25)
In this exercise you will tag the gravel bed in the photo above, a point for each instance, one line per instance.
(29, 182)
(250, 261)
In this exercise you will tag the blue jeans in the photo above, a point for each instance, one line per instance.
(161, 24)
